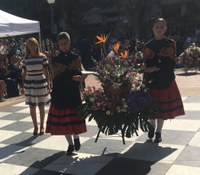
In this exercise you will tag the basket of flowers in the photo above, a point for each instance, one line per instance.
(190, 58)
(123, 103)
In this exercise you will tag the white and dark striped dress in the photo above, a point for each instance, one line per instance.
(35, 83)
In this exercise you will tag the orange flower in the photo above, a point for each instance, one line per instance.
(124, 54)
(116, 46)
(102, 39)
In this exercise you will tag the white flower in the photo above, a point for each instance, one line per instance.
(118, 108)
(116, 86)
(125, 106)
(92, 99)
(123, 110)
(111, 55)
(107, 112)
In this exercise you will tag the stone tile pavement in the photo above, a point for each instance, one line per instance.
(23, 154)
(178, 153)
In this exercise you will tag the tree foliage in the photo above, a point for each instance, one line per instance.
(134, 10)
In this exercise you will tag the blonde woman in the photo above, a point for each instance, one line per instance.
(35, 82)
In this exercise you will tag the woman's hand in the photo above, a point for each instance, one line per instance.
(80, 78)
(49, 87)
(151, 69)
(22, 91)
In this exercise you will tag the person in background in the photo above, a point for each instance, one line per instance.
(6, 73)
(3, 86)
(35, 82)
(84, 49)
(139, 46)
(15, 75)
(159, 54)
(126, 45)
(65, 96)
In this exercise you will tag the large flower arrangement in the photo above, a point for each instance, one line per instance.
(123, 103)
(190, 58)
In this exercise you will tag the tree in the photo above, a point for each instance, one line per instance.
(73, 12)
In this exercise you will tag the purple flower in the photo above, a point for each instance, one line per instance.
(131, 100)
(141, 101)
(133, 107)
(137, 100)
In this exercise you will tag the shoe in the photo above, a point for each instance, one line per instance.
(70, 150)
(42, 131)
(35, 132)
(158, 138)
(77, 144)
(151, 131)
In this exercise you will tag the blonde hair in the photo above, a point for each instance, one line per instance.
(30, 41)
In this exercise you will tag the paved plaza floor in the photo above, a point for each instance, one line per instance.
(178, 153)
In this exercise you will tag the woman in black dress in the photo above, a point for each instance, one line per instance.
(65, 96)
(159, 76)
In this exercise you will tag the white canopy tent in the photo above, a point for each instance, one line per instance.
(11, 25)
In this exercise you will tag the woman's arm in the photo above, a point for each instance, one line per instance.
(46, 74)
(80, 78)
(46, 70)
(23, 79)
(151, 69)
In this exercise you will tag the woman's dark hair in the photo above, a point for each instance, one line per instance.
(63, 35)
(159, 20)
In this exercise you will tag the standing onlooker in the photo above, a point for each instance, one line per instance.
(159, 76)
(65, 97)
(84, 49)
(3, 89)
(35, 82)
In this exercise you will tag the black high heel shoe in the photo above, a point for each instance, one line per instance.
(70, 150)
(35, 132)
(77, 144)
(42, 131)
(151, 131)
(158, 138)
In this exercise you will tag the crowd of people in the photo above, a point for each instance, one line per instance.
(12, 52)
(10, 76)
(55, 76)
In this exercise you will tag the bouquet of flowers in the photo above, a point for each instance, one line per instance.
(190, 57)
(123, 103)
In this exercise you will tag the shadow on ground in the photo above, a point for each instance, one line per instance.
(187, 73)
(138, 160)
